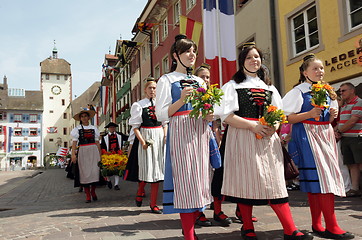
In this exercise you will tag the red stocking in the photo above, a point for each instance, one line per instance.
(315, 211)
(141, 190)
(327, 206)
(87, 193)
(154, 193)
(93, 191)
(188, 222)
(282, 210)
(247, 212)
(217, 205)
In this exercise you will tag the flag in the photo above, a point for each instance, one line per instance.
(191, 28)
(52, 129)
(127, 44)
(104, 98)
(62, 151)
(219, 39)
(142, 26)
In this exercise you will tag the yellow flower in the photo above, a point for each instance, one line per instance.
(205, 97)
(317, 89)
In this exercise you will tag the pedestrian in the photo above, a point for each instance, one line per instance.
(204, 73)
(86, 136)
(188, 168)
(113, 142)
(149, 151)
(253, 168)
(350, 129)
(317, 155)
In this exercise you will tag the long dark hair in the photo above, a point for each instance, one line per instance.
(240, 76)
(181, 45)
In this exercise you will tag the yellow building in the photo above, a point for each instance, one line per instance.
(332, 29)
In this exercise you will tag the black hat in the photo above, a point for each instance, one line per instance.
(111, 124)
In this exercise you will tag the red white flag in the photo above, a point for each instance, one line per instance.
(62, 151)
(104, 98)
(219, 39)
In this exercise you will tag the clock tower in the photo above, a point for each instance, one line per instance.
(56, 84)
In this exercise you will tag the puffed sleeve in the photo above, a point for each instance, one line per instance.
(229, 102)
(292, 102)
(163, 98)
(75, 134)
(136, 115)
(97, 134)
(276, 98)
(131, 136)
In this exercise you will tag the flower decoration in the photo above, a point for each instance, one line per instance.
(113, 163)
(272, 116)
(319, 93)
(203, 100)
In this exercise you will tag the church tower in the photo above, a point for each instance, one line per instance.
(56, 84)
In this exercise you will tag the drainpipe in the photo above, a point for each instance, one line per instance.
(275, 49)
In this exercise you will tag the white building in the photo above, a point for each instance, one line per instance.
(20, 128)
(56, 85)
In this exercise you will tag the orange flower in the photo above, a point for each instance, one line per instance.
(328, 87)
(262, 121)
(272, 108)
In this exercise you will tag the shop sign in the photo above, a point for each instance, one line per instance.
(21, 153)
(346, 59)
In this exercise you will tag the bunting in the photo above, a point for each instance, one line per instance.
(62, 151)
(191, 28)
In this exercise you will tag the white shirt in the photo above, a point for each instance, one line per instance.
(230, 104)
(163, 92)
(75, 132)
(293, 100)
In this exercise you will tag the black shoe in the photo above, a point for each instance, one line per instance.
(321, 234)
(109, 184)
(80, 189)
(212, 206)
(203, 221)
(306, 236)
(244, 232)
(139, 203)
(226, 221)
(94, 198)
(87, 201)
(156, 210)
(346, 235)
(116, 187)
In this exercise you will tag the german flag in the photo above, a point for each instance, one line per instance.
(190, 28)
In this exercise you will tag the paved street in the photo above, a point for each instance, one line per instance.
(46, 206)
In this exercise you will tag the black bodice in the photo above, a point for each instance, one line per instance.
(252, 102)
(86, 136)
(149, 118)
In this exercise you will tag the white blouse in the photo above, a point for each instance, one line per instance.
(136, 112)
(293, 100)
(163, 92)
(75, 132)
(230, 104)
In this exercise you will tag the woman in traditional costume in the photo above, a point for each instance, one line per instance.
(86, 137)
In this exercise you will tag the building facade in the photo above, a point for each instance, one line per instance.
(20, 128)
(330, 29)
(56, 85)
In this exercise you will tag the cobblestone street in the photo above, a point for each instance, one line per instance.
(45, 205)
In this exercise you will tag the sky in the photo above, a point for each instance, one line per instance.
(84, 31)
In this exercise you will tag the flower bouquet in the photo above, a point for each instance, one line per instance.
(319, 95)
(113, 163)
(272, 116)
(202, 100)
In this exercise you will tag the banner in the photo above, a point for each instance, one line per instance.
(190, 28)
(219, 39)
(62, 151)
